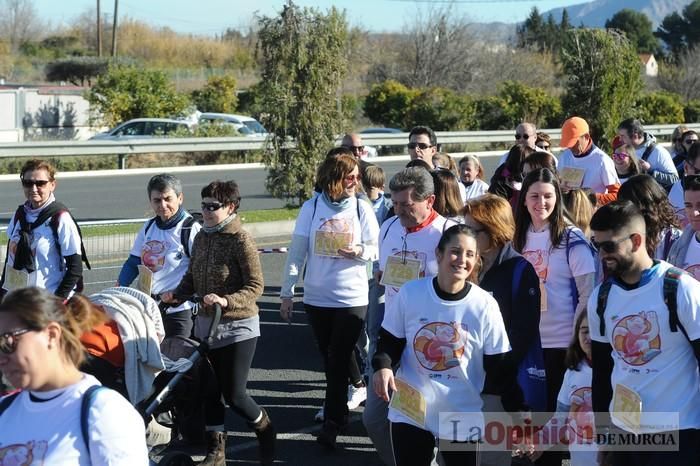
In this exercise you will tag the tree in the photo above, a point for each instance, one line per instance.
(77, 71)
(19, 22)
(603, 79)
(389, 104)
(523, 103)
(660, 108)
(125, 92)
(638, 29)
(218, 95)
(681, 32)
(443, 110)
(683, 76)
(530, 33)
(303, 61)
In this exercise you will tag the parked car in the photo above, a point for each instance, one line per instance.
(380, 131)
(244, 124)
(145, 128)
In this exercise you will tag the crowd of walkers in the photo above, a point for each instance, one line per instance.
(563, 294)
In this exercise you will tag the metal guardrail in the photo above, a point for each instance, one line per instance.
(127, 147)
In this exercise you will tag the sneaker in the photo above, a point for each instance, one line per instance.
(320, 415)
(356, 395)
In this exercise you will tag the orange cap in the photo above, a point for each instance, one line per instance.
(573, 128)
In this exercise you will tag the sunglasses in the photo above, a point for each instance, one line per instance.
(212, 206)
(419, 145)
(620, 155)
(351, 178)
(522, 136)
(8, 341)
(609, 246)
(543, 146)
(37, 183)
(355, 148)
(690, 141)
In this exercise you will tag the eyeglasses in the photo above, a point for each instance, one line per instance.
(8, 341)
(419, 145)
(355, 148)
(609, 246)
(351, 178)
(690, 141)
(212, 206)
(543, 146)
(522, 136)
(37, 183)
(620, 155)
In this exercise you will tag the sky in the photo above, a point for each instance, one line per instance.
(209, 17)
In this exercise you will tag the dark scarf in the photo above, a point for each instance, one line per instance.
(172, 221)
(24, 256)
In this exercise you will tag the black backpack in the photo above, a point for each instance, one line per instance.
(670, 289)
(194, 217)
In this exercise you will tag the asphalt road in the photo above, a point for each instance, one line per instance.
(124, 196)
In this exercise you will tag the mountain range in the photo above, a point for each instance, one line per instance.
(595, 13)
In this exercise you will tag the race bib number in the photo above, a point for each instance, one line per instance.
(398, 271)
(145, 282)
(409, 401)
(15, 279)
(571, 178)
(327, 243)
(627, 408)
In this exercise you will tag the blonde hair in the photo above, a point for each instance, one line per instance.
(496, 215)
(477, 164)
(578, 209)
(445, 161)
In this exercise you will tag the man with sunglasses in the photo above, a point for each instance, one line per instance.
(526, 136)
(353, 142)
(645, 345)
(45, 247)
(654, 159)
(422, 144)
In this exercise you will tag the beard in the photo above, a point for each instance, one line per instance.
(618, 266)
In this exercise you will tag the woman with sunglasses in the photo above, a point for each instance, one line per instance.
(564, 262)
(162, 250)
(44, 247)
(40, 352)
(225, 270)
(336, 236)
(626, 163)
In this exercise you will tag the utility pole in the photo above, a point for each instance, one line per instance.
(114, 30)
(99, 30)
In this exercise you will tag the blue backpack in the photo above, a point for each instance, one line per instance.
(85, 404)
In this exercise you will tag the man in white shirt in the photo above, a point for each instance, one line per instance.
(583, 165)
(653, 159)
(422, 144)
(645, 334)
(525, 135)
(685, 252)
(691, 166)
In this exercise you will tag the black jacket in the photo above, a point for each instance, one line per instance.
(522, 317)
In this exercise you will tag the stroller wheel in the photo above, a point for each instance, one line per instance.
(175, 458)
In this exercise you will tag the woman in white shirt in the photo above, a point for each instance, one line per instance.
(564, 262)
(336, 235)
(40, 352)
(447, 334)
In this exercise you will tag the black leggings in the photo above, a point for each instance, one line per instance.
(231, 364)
(414, 447)
(336, 331)
(554, 368)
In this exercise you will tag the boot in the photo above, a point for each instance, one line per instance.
(265, 432)
(216, 449)
(329, 433)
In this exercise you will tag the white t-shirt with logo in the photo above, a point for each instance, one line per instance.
(657, 364)
(691, 263)
(557, 320)
(445, 346)
(576, 393)
(337, 281)
(419, 245)
(598, 169)
(49, 267)
(49, 432)
(163, 253)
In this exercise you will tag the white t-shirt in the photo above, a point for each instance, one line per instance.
(336, 281)
(476, 189)
(419, 245)
(49, 432)
(659, 365)
(163, 253)
(445, 346)
(462, 192)
(677, 199)
(49, 268)
(576, 393)
(557, 320)
(598, 169)
(691, 263)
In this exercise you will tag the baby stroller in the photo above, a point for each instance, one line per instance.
(162, 385)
